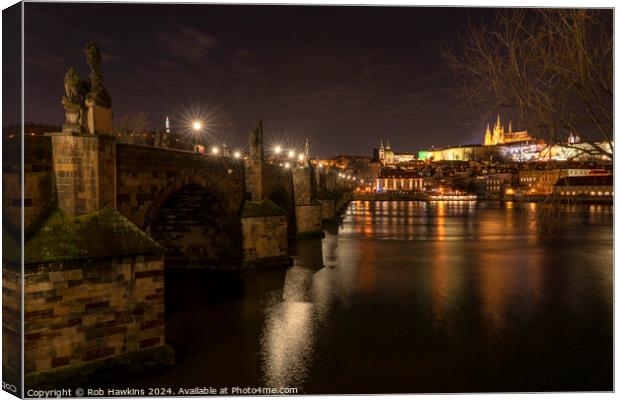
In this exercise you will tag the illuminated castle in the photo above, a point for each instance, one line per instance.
(500, 136)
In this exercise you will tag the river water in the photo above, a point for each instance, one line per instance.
(409, 297)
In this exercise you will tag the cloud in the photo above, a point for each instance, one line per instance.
(188, 43)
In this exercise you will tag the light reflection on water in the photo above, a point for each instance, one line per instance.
(413, 297)
(472, 274)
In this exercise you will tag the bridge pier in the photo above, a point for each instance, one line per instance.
(92, 306)
(265, 234)
(307, 207)
(94, 281)
(264, 224)
(325, 193)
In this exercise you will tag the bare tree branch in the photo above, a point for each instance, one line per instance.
(549, 68)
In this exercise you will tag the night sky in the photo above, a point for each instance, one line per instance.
(342, 76)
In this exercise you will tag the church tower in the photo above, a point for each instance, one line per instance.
(498, 132)
(488, 140)
(389, 154)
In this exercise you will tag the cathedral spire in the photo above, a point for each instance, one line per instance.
(488, 140)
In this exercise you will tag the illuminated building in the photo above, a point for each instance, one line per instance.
(504, 145)
(597, 186)
(386, 154)
(402, 158)
(399, 180)
(500, 136)
(494, 183)
(425, 154)
(541, 181)
(578, 151)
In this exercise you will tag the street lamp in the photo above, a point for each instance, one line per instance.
(301, 157)
(291, 154)
(237, 154)
(197, 125)
(277, 149)
(215, 150)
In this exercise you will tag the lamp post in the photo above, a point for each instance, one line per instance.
(197, 125)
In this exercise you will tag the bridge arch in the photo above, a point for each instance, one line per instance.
(193, 223)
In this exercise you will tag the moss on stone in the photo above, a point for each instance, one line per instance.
(263, 208)
(105, 233)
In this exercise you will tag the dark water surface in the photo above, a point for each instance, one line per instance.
(409, 297)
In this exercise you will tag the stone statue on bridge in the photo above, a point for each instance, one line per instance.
(88, 105)
(73, 101)
(98, 93)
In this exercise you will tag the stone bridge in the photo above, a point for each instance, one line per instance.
(190, 203)
(102, 221)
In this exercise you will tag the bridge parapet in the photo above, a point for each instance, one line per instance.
(147, 176)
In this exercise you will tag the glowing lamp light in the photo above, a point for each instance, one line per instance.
(277, 149)
(291, 154)
(215, 150)
(287, 165)
(197, 125)
(301, 157)
(237, 154)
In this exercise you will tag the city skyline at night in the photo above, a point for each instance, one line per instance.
(228, 199)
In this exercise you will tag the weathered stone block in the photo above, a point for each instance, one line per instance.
(264, 237)
(92, 321)
(98, 119)
(308, 219)
(85, 172)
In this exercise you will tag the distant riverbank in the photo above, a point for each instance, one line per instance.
(403, 196)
